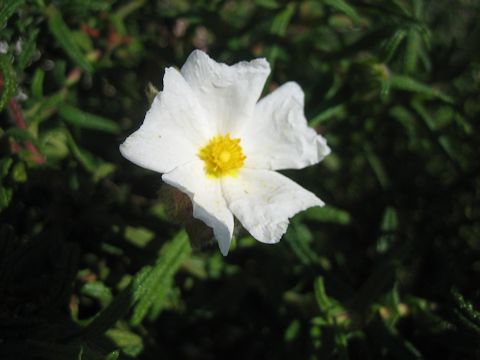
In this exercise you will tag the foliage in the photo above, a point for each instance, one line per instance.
(94, 263)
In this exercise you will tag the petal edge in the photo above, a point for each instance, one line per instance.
(264, 201)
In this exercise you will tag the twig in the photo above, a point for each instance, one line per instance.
(36, 157)
(17, 114)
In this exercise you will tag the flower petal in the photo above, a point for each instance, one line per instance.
(173, 130)
(227, 93)
(264, 200)
(208, 202)
(278, 137)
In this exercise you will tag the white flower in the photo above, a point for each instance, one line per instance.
(211, 139)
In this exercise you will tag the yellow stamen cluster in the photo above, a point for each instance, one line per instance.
(223, 156)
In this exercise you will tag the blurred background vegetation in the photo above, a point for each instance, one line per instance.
(94, 265)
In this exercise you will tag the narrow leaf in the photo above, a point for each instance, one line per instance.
(128, 341)
(388, 228)
(6, 195)
(97, 290)
(402, 82)
(86, 120)
(62, 33)
(142, 289)
(281, 21)
(320, 294)
(328, 214)
(85, 158)
(345, 7)
(119, 307)
(442, 140)
(8, 89)
(412, 51)
(377, 166)
(37, 83)
(466, 308)
(5, 165)
(327, 114)
(268, 4)
(28, 48)
(392, 44)
(7, 10)
(159, 281)
(299, 237)
(114, 355)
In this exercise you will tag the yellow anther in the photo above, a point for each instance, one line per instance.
(223, 156)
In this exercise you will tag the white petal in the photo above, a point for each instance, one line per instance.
(227, 93)
(208, 202)
(264, 200)
(278, 137)
(173, 130)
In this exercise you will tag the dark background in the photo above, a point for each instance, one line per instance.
(94, 263)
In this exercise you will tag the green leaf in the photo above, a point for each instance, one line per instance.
(382, 276)
(159, 280)
(272, 53)
(85, 158)
(392, 44)
(330, 308)
(86, 120)
(395, 345)
(146, 287)
(5, 165)
(54, 144)
(377, 166)
(321, 297)
(281, 20)
(28, 48)
(114, 355)
(389, 226)
(98, 291)
(343, 6)
(442, 140)
(127, 9)
(390, 220)
(45, 106)
(466, 308)
(9, 85)
(37, 83)
(292, 331)
(412, 51)
(19, 173)
(299, 238)
(20, 134)
(119, 307)
(328, 213)
(94, 165)
(7, 10)
(401, 6)
(429, 120)
(268, 4)
(103, 170)
(65, 38)
(129, 342)
(403, 82)
(6, 195)
(327, 114)
(138, 236)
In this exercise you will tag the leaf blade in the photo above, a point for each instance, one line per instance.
(86, 120)
(63, 35)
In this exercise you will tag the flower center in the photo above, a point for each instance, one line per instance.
(223, 156)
